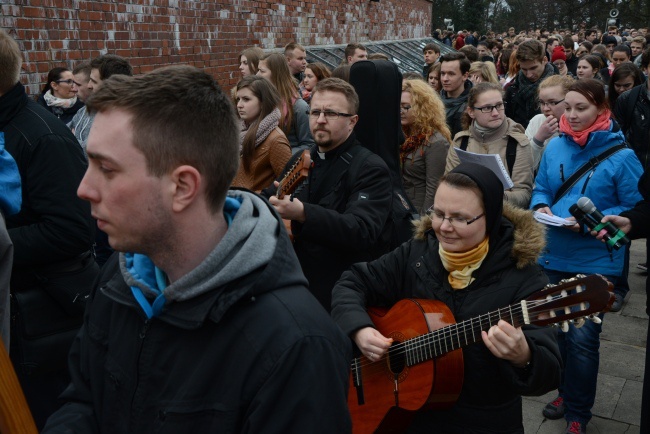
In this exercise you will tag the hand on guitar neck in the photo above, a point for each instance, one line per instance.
(288, 208)
(503, 340)
(508, 343)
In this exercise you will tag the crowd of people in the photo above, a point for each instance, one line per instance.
(147, 210)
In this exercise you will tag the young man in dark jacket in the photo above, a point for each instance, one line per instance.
(52, 237)
(202, 322)
(521, 95)
(454, 73)
(341, 214)
(632, 112)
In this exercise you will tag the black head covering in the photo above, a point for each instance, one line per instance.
(492, 188)
(609, 39)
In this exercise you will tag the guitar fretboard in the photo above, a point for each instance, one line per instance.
(458, 335)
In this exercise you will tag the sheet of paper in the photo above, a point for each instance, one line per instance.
(491, 161)
(552, 220)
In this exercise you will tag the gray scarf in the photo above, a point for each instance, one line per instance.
(266, 125)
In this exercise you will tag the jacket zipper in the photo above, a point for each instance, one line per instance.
(584, 187)
(142, 335)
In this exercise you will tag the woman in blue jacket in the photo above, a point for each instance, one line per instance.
(586, 132)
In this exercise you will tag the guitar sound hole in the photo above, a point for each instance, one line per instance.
(397, 358)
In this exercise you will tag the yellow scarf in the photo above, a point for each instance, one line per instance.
(462, 265)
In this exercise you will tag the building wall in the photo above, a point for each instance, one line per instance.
(206, 34)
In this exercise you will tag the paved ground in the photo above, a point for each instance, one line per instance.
(622, 353)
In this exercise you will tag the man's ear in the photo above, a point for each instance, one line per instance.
(186, 185)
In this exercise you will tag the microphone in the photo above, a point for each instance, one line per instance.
(586, 212)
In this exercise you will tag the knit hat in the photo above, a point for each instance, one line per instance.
(491, 188)
(558, 54)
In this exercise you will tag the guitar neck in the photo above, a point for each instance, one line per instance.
(461, 334)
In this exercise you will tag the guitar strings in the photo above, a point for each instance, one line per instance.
(446, 333)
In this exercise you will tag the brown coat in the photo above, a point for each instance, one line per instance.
(422, 170)
(268, 163)
(496, 143)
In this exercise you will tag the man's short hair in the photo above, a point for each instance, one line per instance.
(180, 116)
(464, 62)
(82, 68)
(470, 51)
(639, 40)
(110, 64)
(11, 61)
(550, 41)
(430, 46)
(567, 42)
(351, 48)
(531, 50)
(337, 85)
(288, 49)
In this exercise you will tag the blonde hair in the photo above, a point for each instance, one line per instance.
(562, 81)
(429, 110)
(486, 70)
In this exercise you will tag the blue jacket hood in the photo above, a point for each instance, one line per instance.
(10, 191)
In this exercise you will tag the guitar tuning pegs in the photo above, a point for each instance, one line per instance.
(595, 319)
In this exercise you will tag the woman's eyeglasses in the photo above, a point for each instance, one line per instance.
(457, 222)
(550, 104)
(490, 108)
(69, 82)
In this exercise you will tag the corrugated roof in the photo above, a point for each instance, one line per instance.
(406, 53)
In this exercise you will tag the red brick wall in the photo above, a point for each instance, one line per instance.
(207, 34)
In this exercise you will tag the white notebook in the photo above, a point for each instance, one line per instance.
(491, 161)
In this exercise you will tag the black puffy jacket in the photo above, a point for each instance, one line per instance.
(637, 126)
(54, 224)
(490, 400)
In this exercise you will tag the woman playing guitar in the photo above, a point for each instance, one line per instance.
(479, 257)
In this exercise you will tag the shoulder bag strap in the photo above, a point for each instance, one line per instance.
(463, 143)
(589, 165)
(511, 153)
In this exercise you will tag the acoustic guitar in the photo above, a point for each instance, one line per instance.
(15, 417)
(292, 182)
(423, 369)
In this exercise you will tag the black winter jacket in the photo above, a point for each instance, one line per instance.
(346, 220)
(637, 127)
(256, 355)
(54, 224)
(490, 400)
